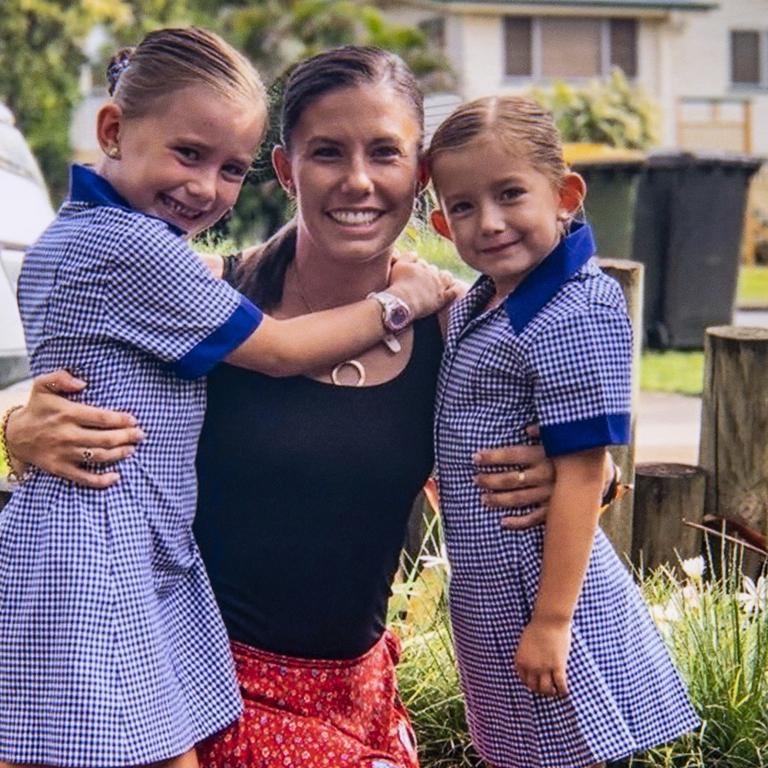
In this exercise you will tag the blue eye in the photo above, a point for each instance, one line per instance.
(326, 153)
(188, 153)
(511, 193)
(235, 170)
(459, 208)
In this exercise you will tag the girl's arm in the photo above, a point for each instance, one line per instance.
(571, 523)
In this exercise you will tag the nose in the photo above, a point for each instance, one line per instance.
(358, 178)
(202, 185)
(491, 219)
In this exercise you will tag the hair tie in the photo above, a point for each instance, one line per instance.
(116, 69)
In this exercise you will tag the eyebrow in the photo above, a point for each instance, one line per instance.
(388, 139)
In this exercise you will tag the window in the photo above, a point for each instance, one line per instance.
(748, 58)
(434, 31)
(566, 47)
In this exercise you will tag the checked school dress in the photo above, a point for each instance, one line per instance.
(112, 648)
(557, 351)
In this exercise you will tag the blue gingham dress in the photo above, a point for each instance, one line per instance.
(112, 649)
(556, 352)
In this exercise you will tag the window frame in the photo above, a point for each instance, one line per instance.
(536, 74)
(762, 60)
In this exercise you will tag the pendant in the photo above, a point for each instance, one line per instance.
(357, 365)
(391, 343)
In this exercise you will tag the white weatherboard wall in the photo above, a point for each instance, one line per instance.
(681, 54)
(701, 58)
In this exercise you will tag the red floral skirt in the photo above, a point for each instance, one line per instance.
(308, 713)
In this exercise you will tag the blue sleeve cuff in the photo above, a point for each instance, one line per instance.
(214, 348)
(573, 436)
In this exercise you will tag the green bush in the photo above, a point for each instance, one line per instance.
(612, 112)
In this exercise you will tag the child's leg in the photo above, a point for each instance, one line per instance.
(187, 760)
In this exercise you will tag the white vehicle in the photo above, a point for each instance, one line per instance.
(25, 211)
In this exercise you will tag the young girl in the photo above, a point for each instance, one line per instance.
(560, 663)
(112, 650)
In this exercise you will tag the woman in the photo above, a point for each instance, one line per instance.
(306, 483)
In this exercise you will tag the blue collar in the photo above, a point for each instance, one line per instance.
(87, 186)
(568, 257)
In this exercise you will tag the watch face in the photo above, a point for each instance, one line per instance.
(399, 316)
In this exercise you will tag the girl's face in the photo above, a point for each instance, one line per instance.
(354, 167)
(503, 215)
(186, 160)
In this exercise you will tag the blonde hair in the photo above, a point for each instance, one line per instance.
(521, 123)
(168, 60)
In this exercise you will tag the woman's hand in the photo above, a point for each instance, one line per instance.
(425, 288)
(530, 485)
(542, 656)
(57, 435)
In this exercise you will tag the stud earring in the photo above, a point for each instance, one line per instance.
(113, 152)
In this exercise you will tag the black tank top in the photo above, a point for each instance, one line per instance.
(304, 494)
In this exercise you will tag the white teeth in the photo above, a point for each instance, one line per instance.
(354, 217)
(177, 207)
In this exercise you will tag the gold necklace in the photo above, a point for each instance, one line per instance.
(390, 342)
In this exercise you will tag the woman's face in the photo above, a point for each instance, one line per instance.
(354, 168)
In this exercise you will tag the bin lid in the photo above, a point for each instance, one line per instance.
(583, 154)
(676, 158)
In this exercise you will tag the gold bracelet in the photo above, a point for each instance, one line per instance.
(5, 454)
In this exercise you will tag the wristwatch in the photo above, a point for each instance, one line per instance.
(396, 315)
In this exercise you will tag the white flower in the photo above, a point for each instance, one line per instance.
(693, 567)
(436, 561)
(664, 616)
(691, 595)
(755, 596)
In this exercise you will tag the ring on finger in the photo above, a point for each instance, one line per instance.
(521, 477)
(86, 454)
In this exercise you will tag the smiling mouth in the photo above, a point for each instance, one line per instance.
(178, 209)
(355, 218)
(498, 248)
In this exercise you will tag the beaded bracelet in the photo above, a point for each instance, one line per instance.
(5, 454)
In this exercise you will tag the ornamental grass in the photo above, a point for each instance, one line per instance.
(713, 618)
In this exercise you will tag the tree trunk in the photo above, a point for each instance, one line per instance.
(734, 427)
(617, 521)
(665, 496)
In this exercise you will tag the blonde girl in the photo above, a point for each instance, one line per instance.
(112, 649)
(560, 663)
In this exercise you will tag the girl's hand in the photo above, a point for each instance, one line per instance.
(532, 484)
(425, 288)
(52, 432)
(542, 656)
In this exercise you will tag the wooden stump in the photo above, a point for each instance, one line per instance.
(5, 492)
(665, 495)
(734, 426)
(617, 521)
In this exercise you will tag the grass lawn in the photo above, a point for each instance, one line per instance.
(672, 371)
(753, 287)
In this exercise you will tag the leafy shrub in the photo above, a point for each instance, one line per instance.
(612, 112)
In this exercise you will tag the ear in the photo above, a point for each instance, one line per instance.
(573, 190)
(282, 165)
(439, 222)
(108, 127)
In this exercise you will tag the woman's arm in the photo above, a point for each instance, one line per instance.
(574, 510)
(51, 432)
(531, 485)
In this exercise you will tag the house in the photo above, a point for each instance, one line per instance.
(704, 61)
